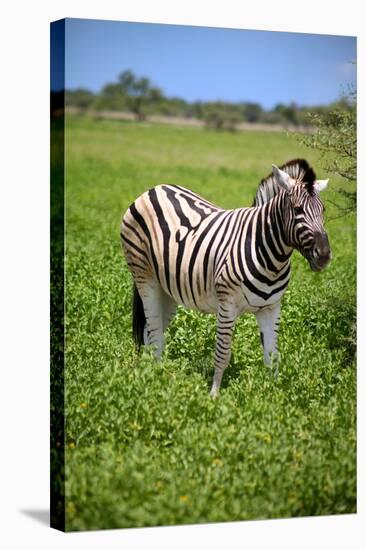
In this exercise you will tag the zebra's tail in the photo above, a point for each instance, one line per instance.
(138, 318)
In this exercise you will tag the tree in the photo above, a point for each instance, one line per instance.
(289, 113)
(252, 112)
(111, 98)
(140, 93)
(79, 98)
(221, 116)
(335, 137)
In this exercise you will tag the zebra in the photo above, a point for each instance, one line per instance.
(182, 249)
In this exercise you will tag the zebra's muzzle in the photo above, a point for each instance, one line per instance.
(320, 255)
(317, 264)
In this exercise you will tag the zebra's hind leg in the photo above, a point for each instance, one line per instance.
(169, 307)
(268, 320)
(158, 308)
(226, 317)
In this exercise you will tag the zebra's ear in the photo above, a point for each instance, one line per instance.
(320, 185)
(282, 178)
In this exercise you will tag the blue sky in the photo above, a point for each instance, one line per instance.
(199, 63)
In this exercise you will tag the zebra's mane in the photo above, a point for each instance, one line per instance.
(297, 169)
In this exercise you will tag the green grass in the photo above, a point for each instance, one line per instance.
(145, 445)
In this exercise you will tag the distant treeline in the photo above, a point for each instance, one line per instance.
(140, 97)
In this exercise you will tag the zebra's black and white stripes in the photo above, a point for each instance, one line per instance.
(181, 249)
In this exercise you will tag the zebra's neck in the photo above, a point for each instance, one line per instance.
(271, 234)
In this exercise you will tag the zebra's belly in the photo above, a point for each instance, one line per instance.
(244, 303)
(254, 302)
(206, 302)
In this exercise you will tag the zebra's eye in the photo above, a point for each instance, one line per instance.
(298, 210)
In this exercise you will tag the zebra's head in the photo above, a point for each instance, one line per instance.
(304, 216)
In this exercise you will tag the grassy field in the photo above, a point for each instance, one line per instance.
(145, 445)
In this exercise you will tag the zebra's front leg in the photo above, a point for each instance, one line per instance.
(226, 317)
(268, 320)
